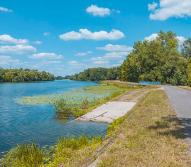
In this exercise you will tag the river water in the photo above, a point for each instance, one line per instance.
(37, 123)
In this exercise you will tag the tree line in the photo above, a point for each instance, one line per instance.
(163, 59)
(24, 75)
(96, 74)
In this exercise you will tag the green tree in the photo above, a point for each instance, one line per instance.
(156, 60)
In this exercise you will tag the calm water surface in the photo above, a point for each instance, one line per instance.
(26, 123)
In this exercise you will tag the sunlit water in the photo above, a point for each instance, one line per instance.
(26, 123)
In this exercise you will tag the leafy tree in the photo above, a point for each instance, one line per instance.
(156, 60)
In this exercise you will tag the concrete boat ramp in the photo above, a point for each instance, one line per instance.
(108, 112)
(115, 109)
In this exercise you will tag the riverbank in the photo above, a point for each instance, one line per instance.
(148, 135)
(103, 93)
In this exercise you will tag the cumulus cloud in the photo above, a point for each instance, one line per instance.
(75, 64)
(7, 60)
(151, 37)
(98, 11)
(115, 55)
(99, 60)
(46, 34)
(37, 42)
(17, 49)
(115, 48)
(110, 56)
(181, 40)
(5, 10)
(81, 54)
(115, 52)
(170, 8)
(6, 38)
(87, 34)
(152, 6)
(49, 56)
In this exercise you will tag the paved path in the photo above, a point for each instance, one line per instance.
(181, 102)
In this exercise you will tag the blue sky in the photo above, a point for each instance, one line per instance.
(67, 36)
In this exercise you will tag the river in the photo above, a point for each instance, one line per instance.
(37, 123)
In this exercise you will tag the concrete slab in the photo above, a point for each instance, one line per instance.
(108, 112)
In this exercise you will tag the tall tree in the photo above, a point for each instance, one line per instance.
(156, 60)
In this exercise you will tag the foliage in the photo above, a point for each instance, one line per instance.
(156, 60)
(96, 74)
(186, 48)
(24, 75)
(189, 72)
(26, 155)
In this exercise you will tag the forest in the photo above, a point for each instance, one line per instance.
(163, 60)
(24, 75)
(96, 74)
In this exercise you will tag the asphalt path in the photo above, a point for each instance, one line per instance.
(180, 100)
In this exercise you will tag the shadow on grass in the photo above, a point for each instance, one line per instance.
(179, 128)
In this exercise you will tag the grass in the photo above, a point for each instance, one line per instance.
(74, 151)
(26, 155)
(148, 136)
(67, 152)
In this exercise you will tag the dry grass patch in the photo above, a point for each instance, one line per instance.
(149, 136)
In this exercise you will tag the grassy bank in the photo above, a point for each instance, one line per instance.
(150, 135)
(67, 152)
(78, 102)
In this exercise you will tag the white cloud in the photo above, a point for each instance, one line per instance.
(7, 60)
(98, 11)
(37, 42)
(152, 6)
(115, 55)
(151, 37)
(181, 40)
(50, 56)
(17, 49)
(99, 61)
(115, 48)
(86, 34)
(75, 64)
(81, 54)
(4, 10)
(171, 8)
(5, 38)
(46, 34)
